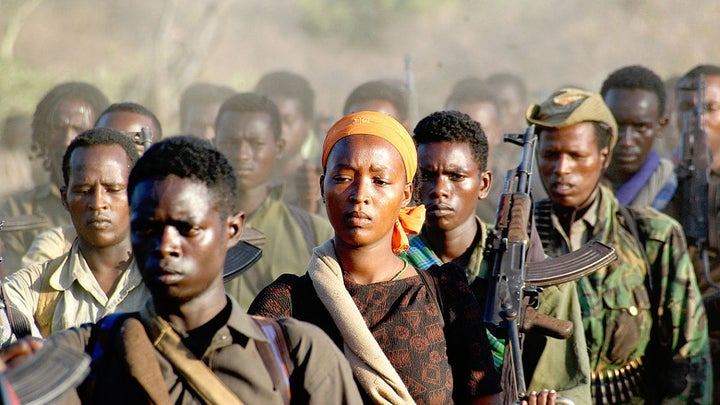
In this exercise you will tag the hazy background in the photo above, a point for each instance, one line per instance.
(148, 51)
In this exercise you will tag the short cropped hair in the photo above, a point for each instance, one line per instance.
(499, 79)
(471, 90)
(98, 137)
(636, 77)
(289, 85)
(707, 70)
(203, 93)
(394, 93)
(454, 126)
(189, 157)
(42, 118)
(252, 102)
(692, 75)
(134, 108)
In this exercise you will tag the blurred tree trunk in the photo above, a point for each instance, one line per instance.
(182, 42)
(12, 16)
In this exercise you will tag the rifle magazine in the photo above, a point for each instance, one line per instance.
(572, 266)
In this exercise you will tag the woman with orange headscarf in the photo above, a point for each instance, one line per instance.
(409, 336)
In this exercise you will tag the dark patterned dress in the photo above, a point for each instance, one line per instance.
(441, 358)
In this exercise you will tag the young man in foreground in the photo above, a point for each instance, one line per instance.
(206, 349)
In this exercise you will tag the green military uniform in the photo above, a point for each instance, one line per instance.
(549, 363)
(286, 248)
(42, 201)
(634, 316)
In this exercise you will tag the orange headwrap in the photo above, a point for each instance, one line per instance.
(383, 126)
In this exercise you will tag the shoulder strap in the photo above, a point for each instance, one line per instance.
(199, 377)
(304, 221)
(433, 287)
(631, 223)
(48, 298)
(275, 355)
(137, 352)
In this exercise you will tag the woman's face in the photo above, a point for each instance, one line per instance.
(364, 187)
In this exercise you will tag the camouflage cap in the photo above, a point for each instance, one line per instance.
(569, 106)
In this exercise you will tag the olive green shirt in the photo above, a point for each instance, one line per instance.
(285, 249)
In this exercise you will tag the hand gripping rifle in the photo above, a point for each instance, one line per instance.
(514, 287)
(694, 180)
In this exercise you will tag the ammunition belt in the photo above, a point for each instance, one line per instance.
(620, 385)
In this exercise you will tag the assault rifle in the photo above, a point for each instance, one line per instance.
(514, 287)
(694, 179)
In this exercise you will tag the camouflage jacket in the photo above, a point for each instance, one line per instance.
(630, 313)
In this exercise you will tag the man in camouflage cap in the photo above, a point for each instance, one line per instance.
(643, 317)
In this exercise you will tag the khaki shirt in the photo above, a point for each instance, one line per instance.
(43, 201)
(321, 374)
(284, 250)
(82, 300)
(50, 244)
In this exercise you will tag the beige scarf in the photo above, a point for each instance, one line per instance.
(370, 366)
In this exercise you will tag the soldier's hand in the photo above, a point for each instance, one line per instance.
(19, 351)
(544, 397)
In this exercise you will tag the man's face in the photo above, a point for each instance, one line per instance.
(179, 237)
(639, 122)
(96, 195)
(486, 114)
(199, 120)
(364, 188)
(511, 105)
(71, 117)
(295, 127)
(711, 118)
(570, 163)
(450, 184)
(247, 139)
(128, 122)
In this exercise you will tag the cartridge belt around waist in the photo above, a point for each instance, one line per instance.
(619, 385)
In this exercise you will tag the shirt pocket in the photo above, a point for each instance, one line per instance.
(628, 322)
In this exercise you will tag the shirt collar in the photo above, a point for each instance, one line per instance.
(243, 323)
(75, 268)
